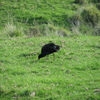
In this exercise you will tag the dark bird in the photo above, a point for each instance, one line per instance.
(48, 49)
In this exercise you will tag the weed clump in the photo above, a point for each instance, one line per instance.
(12, 30)
(98, 6)
(80, 1)
(91, 16)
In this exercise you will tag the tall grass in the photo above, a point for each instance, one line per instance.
(14, 29)
(50, 29)
(84, 21)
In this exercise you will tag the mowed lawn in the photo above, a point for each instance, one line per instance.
(72, 74)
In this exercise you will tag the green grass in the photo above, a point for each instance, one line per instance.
(40, 10)
(30, 17)
(74, 74)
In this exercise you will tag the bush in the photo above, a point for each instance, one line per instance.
(91, 15)
(80, 1)
(98, 6)
(95, 1)
(12, 30)
(97, 29)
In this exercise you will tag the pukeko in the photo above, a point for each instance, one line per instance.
(48, 49)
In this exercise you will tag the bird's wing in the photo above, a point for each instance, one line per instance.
(48, 49)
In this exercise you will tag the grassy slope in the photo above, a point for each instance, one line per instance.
(40, 10)
(39, 17)
(73, 75)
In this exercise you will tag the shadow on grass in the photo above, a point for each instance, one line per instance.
(30, 56)
(4, 93)
(1, 92)
(98, 47)
(25, 93)
(27, 55)
(18, 73)
(87, 68)
(4, 61)
(39, 60)
(34, 61)
(35, 55)
(13, 94)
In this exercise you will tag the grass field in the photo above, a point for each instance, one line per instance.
(74, 73)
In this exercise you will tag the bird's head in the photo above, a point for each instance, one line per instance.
(39, 56)
(43, 55)
(57, 47)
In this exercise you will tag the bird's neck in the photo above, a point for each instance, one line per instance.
(44, 54)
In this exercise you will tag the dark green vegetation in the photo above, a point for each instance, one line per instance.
(26, 25)
(73, 75)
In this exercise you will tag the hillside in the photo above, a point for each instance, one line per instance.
(39, 17)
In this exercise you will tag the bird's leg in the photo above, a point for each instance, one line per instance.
(54, 56)
(47, 57)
